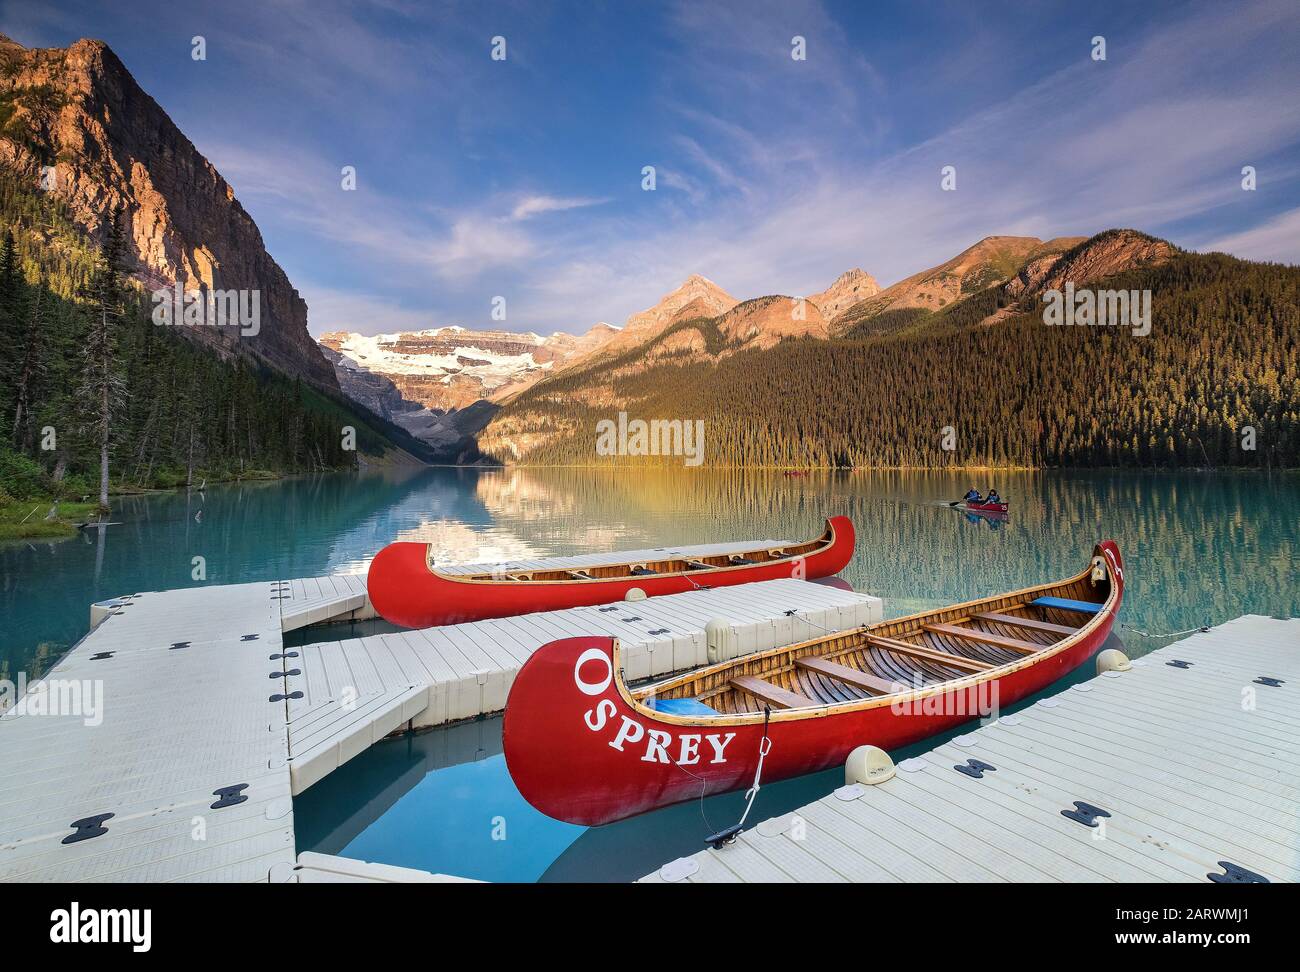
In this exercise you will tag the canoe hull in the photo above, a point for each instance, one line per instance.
(405, 591)
(580, 750)
(983, 507)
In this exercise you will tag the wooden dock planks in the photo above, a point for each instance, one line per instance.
(1196, 765)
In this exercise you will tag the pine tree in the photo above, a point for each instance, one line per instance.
(29, 361)
(10, 312)
(102, 387)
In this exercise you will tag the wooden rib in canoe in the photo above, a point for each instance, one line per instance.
(936, 655)
(850, 676)
(984, 637)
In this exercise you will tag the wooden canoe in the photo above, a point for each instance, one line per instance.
(407, 588)
(583, 747)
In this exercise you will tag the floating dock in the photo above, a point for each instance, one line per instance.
(168, 743)
(1186, 767)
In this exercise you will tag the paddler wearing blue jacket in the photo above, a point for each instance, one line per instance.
(972, 496)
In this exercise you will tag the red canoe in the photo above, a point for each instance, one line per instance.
(407, 589)
(983, 507)
(583, 747)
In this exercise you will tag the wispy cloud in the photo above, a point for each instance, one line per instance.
(531, 206)
(522, 178)
(1277, 240)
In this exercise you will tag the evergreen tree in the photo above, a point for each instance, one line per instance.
(102, 387)
(29, 362)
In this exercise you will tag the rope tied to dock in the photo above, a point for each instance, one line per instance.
(764, 748)
(717, 840)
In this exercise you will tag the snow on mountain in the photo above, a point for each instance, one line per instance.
(453, 366)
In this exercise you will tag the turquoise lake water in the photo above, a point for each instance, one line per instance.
(1199, 548)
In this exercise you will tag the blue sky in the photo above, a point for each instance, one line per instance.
(522, 178)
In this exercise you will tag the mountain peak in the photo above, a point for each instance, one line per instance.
(697, 285)
(114, 146)
(698, 296)
(696, 279)
(849, 287)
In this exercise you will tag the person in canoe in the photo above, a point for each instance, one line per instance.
(972, 496)
(993, 497)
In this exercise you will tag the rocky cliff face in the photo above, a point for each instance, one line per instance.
(1104, 255)
(766, 321)
(110, 144)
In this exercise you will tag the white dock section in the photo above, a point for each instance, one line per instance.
(314, 600)
(182, 735)
(1196, 763)
(357, 691)
(173, 696)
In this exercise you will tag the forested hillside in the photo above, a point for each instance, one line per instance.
(77, 340)
(1223, 354)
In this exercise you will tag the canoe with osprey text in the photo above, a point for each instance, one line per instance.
(583, 747)
(407, 588)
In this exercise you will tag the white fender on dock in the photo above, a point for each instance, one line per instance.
(869, 765)
(1112, 660)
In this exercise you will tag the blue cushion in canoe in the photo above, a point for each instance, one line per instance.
(1065, 604)
(682, 707)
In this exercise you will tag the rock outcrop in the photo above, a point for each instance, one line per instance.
(849, 288)
(1104, 255)
(108, 144)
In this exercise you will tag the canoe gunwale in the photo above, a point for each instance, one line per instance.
(810, 548)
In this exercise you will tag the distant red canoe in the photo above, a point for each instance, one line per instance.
(983, 507)
(406, 587)
(583, 747)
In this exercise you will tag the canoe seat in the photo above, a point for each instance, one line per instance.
(1066, 604)
(773, 695)
(983, 637)
(681, 707)
(698, 565)
(1027, 623)
(580, 575)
